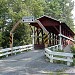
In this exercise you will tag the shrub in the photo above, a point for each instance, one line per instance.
(73, 49)
(59, 50)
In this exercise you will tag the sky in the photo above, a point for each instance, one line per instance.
(73, 12)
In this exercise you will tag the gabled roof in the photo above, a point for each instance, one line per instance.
(68, 28)
(48, 21)
(48, 17)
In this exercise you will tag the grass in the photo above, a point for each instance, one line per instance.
(59, 50)
(73, 63)
(73, 49)
(58, 73)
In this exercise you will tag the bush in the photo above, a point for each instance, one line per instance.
(73, 49)
(59, 50)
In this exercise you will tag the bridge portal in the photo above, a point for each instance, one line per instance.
(58, 33)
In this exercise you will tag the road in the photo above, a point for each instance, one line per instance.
(28, 63)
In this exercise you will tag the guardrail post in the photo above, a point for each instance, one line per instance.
(50, 54)
(11, 42)
(68, 63)
(60, 38)
(20, 50)
(15, 52)
(51, 58)
(7, 55)
(57, 47)
(33, 39)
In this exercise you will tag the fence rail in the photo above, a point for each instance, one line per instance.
(14, 50)
(52, 55)
(54, 48)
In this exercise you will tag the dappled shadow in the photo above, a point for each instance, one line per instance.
(32, 62)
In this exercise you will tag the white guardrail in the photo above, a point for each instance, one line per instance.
(53, 55)
(54, 48)
(14, 50)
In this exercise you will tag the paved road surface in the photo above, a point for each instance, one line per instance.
(28, 63)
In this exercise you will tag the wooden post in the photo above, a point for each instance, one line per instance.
(11, 42)
(33, 38)
(55, 39)
(42, 36)
(51, 60)
(37, 35)
(68, 40)
(60, 38)
(62, 34)
(50, 39)
(68, 63)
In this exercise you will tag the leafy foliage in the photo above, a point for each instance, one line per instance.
(13, 10)
(61, 10)
(73, 49)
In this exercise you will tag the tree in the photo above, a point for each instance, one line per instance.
(61, 10)
(35, 7)
(3, 12)
(18, 9)
(13, 10)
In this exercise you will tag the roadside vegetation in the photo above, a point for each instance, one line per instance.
(13, 10)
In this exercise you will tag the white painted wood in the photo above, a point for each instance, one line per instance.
(56, 47)
(59, 53)
(51, 56)
(57, 58)
(7, 51)
(60, 38)
(4, 50)
(66, 56)
(66, 37)
(68, 62)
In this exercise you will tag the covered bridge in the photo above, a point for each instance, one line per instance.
(58, 33)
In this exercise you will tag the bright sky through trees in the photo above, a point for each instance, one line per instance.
(74, 12)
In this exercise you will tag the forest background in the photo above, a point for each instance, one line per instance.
(13, 10)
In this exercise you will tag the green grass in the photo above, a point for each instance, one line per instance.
(58, 73)
(73, 63)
